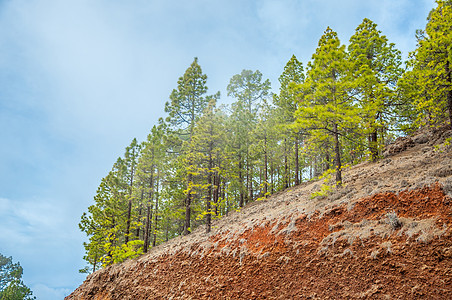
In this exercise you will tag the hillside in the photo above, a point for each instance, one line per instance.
(386, 234)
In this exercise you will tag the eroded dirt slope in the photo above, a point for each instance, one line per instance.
(387, 234)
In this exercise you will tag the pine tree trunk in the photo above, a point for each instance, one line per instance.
(139, 219)
(449, 93)
(250, 184)
(217, 191)
(167, 232)
(265, 168)
(241, 182)
(209, 193)
(111, 240)
(286, 181)
(338, 157)
(129, 209)
(189, 179)
(289, 182)
(95, 264)
(297, 168)
(311, 170)
(154, 234)
(247, 195)
(261, 180)
(129, 214)
(449, 103)
(373, 139)
(148, 214)
(272, 182)
(156, 210)
(223, 195)
(188, 207)
(139, 213)
(187, 214)
(146, 232)
(327, 161)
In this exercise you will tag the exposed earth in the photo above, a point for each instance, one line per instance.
(386, 234)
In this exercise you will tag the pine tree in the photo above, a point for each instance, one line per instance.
(429, 81)
(150, 170)
(265, 146)
(108, 223)
(287, 105)
(188, 102)
(325, 109)
(375, 68)
(129, 168)
(11, 285)
(249, 89)
(105, 221)
(207, 148)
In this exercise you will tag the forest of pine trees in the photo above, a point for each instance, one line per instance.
(204, 160)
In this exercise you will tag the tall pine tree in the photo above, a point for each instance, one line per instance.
(188, 102)
(429, 81)
(249, 89)
(293, 74)
(375, 68)
(325, 108)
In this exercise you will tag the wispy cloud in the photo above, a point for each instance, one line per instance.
(35, 232)
(46, 292)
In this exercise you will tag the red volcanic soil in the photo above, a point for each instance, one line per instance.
(385, 235)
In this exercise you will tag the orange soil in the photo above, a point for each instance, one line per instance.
(267, 262)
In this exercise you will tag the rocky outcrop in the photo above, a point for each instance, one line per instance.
(385, 235)
(432, 136)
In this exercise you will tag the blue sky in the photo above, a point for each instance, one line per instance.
(80, 79)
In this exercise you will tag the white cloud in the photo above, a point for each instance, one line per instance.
(26, 222)
(36, 233)
(43, 292)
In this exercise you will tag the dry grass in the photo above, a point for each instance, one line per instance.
(419, 230)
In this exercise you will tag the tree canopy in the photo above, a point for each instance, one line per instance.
(205, 159)
(428, 83)
(11, 285)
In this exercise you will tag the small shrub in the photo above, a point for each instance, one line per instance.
(442, 147)
(393, 220)
(326, 187)
(324, 190)
(126, 251)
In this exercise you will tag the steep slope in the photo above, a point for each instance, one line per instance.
(385, 234)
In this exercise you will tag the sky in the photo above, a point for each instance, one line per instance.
(80, 79)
